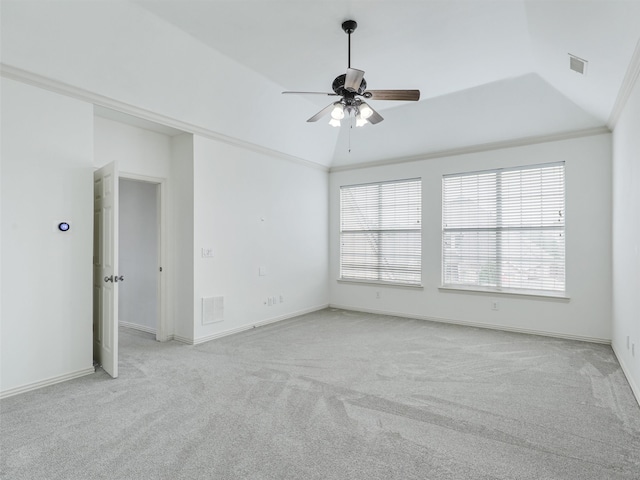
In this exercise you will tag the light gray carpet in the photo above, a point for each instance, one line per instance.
(335, 395)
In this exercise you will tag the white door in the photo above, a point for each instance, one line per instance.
(105, 264)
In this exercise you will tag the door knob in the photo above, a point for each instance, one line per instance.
(118, 278)
(109, 279)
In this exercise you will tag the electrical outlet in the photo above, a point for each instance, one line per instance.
(495, 305)
(281, 299)
(377, 294)
(269, 301)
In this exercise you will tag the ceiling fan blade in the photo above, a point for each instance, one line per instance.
(353, 79)
(321, 113)
(375, 117)
(403, 95)
(314, 93)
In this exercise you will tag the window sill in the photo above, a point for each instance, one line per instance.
(514, 293)
(382, 284)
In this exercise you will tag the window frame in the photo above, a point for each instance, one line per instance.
(379, 232)
(500, 287)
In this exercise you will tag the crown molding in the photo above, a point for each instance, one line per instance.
(56, 86)
(78, 93)
(630, 79)
(519, 142)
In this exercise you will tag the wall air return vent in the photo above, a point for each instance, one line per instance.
(212, 310)
(578, 64)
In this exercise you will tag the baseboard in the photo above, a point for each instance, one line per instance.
(543, 333)
(268, 321)
(180, 339)
(45, 383)
(635, 388)
(135, 326)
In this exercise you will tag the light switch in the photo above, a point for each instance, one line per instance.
(207, 252)
(262, 271)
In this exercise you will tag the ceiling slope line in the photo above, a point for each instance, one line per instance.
(62, 88)
(626, 87)
(484, 147)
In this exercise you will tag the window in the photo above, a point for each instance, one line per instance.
(505, 229)
(381, 233)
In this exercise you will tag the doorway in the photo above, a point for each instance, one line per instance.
(143, 303)
(139, 255)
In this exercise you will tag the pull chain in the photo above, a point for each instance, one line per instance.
(350, 128)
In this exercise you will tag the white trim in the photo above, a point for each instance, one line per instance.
(268, 321)
(348, 281)
(185, 340)
(24, 76)
(45, 383)
(484, 147)
(606, 341)
(635, 388)
(135, 326)
(514, 293)
(140, 178)
(630, 78)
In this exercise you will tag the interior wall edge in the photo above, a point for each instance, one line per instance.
(489, 326)
(627, 373)
(626, 88)
(56, 86)
(47, 382)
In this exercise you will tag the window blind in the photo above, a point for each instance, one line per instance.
(381, 232)
(505, 229)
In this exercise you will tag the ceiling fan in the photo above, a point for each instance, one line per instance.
(352, 87)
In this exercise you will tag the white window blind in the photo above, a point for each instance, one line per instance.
(505, 229)
(381, 232)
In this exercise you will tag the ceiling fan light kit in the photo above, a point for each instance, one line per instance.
(351, 86)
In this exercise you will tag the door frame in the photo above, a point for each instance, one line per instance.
(162, 330)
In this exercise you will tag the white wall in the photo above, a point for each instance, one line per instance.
(138, 255)
(47, 157)
(130, 55)
(588, 178)
(254, 210)
(626, 238)
(137, 150)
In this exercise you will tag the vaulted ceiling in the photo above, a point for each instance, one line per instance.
(489, 71)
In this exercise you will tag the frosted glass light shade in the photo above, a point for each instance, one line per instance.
(338, 111)
(365, 110)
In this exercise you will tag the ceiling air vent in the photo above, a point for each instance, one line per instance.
(578, 64)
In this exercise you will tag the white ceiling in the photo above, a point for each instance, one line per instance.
(488, 71)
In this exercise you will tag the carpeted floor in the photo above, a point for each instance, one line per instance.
(335, 395)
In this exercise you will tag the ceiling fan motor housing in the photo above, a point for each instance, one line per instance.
(351, 103)
(338, 86)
